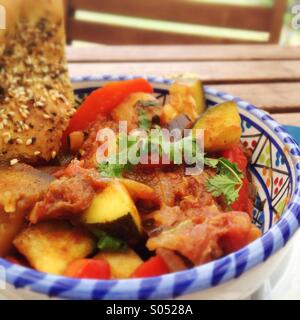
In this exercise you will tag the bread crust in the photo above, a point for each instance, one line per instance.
(36, 99)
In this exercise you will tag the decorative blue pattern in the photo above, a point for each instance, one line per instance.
(148, 287)
(181, 284)
(187, 281)
(221, 267)
(241, 262)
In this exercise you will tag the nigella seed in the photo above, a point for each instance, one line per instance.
(2, 94)
(8, 51)
(149, 224)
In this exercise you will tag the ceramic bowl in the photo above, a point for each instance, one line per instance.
(275, 168)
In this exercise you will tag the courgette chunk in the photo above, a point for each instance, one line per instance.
(187, 96)
(114, 211)
(222, 126)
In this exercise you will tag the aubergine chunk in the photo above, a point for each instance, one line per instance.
(21, 186)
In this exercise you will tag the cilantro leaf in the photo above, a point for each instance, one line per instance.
(148, 103)
(210, 162)
(144, 122)
(223, 185)
(107, 242)
(228, 180)
(113, 170)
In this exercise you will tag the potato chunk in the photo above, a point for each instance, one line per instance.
(122, 264)
(51, 246)
(222, 126)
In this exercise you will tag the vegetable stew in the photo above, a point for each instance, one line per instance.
(84, 215)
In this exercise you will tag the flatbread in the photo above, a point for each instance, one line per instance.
(36, 98)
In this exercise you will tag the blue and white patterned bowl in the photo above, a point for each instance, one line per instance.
(276, 171)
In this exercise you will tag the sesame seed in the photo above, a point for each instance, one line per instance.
(40, 103)
(53, 154)
(28, 142)
(36, 153)
(46, 116)
(6, 134)
(7, 140)
(19, 141)
(13, 162)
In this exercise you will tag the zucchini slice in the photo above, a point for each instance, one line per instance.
(114, 211)
(222, 126)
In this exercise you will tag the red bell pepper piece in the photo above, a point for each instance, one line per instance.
(237, 156)
(102, 101)
(155, 266)
(88, 269)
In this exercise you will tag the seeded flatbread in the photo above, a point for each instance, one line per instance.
(36, 99)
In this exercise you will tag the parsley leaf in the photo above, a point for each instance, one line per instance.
(112, 170)
(107, 242)
(210, 162)
(154, 142)
(228, 180)
(148, 103)
(144, 122)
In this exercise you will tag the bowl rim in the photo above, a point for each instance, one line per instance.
(175, 284)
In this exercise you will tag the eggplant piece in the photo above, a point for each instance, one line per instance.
(181, 122)
(21, 186)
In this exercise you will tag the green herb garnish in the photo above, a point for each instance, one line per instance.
(144, 122)
(107, 242)
(148, 103)
(154, 142)
(228, 180)
(113, 170)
